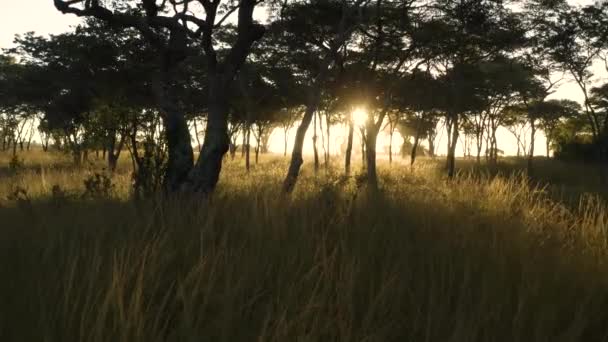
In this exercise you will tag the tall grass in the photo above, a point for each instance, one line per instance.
(475, 259)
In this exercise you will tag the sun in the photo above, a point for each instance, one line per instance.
(359, 117)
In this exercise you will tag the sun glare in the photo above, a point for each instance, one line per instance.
(359, 117)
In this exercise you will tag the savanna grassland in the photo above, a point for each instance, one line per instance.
(488, 256)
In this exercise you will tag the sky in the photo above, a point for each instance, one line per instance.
(40, 16)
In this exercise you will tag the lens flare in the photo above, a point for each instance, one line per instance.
(359, 117)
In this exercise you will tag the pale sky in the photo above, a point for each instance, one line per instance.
(40, 16)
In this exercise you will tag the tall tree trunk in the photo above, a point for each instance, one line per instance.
(257, 146)
(370, 156)
(206, 172)
(494, 146)
(479, 143)
(531, 154)
(314, 143)
(296, 155)
(328, 128)
(114, 152)
(452, 148)
(179, 148)
(390, 146)
(431, 140)
(414, 149)
(196, 135)
(363, 163)
(248, 148)
(244, 143)
(349, 147)
(285, 136)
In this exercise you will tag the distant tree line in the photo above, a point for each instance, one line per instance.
(140, 76)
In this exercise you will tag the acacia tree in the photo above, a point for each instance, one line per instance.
(469, 33)
(574, 38)
(309, 30)
(552, 113)
(172, 26)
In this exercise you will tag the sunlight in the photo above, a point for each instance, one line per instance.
(359, 117)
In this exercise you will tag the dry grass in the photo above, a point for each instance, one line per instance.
(476, 259)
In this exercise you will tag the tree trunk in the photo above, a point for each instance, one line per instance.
(363, 157)
(196, 135)
(548, 146)
(244, 142)
(370, 154)
(349, 147)
(531, 154)
(314, 143)
(452, 148)
(296, 156)
(179, 148)
(327, 128)
(257, 146)
(431, 140)
(285, 136)
(414, 149)
(247, 148)
(390, 147)
(206, 172)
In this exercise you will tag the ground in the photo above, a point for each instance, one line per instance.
(489, 256)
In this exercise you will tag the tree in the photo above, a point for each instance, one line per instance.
(551, 115)
(170, 28)
(310, 30)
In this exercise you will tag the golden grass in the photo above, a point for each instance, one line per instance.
(474, 259)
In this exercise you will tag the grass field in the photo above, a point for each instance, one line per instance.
(484, 257)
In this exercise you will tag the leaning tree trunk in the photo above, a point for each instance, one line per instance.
(296, 155)
(414, 149)
(548, 146)
(349, 147)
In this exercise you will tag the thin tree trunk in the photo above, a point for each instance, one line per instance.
(370, 154)
(452, 149)
(296, 156)
(244, 143)
(531, 154)
(196, 135)
(314, 143)
(285, 136)
(349, 147)
(390, 147)
(431, 140)
(328, 128)
(257, 146)
(247, 148)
